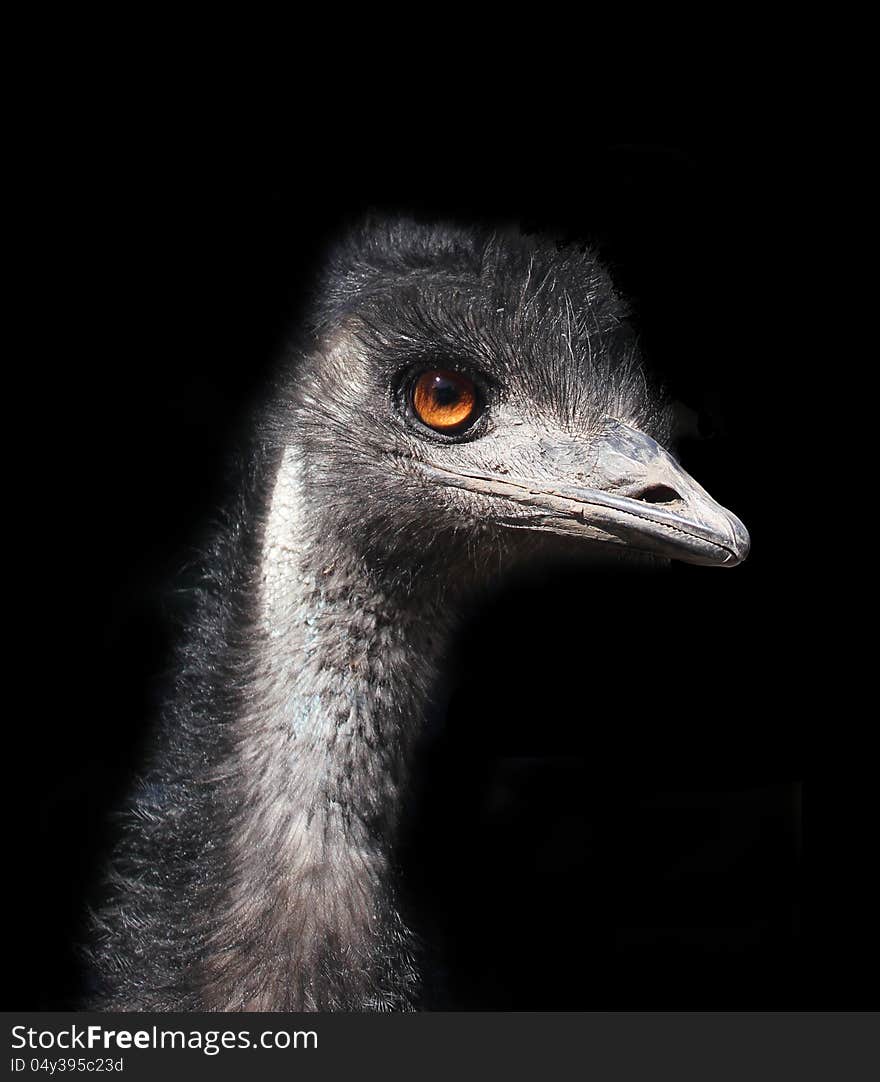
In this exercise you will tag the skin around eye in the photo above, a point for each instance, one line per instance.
(445, 401)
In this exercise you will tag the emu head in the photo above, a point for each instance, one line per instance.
(470, 393)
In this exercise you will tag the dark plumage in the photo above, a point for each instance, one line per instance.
(256, 868)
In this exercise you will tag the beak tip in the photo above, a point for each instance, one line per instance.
(739, 544)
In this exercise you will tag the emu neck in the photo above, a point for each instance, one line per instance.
(343, 669)
(350, 656)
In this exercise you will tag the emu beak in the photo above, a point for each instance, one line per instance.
(630, 492)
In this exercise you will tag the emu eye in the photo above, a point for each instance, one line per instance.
(445, 401)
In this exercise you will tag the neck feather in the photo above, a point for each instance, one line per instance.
(341, 676)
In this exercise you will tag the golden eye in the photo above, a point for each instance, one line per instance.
(445, 401)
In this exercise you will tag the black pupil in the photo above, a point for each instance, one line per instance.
(446, 393)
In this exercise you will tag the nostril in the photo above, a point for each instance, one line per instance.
(660, 494)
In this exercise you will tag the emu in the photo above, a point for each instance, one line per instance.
(460, 403)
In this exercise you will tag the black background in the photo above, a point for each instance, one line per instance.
(609, 826)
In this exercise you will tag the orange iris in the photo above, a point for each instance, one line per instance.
(445, 401)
